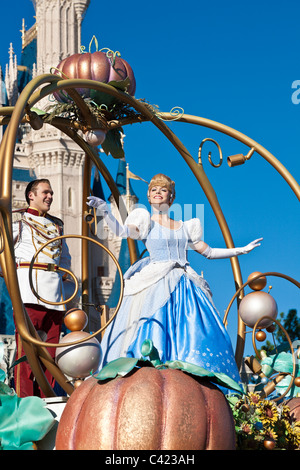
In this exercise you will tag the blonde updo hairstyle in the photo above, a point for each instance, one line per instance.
(162, 180)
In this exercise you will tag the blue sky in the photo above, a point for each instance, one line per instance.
(229, 62)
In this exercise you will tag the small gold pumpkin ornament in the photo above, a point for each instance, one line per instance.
(297, 381)
(260, 335)
(259, 283)
(75, 319)
(269, 444)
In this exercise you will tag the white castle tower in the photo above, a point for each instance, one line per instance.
(58, 30)
(48, 152)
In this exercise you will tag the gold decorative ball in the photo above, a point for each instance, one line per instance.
(269, 444)
(260, 335)
(297, 381)
(259, 283)
(77, 383)
(81, 359)
(245, 407)
(271, 328)
(75, 319)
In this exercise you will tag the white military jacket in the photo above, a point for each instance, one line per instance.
(30, 232)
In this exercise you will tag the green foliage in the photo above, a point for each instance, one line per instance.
(114, 111)
(125, 365)
(113, 144)
(291, 324)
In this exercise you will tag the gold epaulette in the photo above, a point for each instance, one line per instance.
(56, 220)
(17, 215)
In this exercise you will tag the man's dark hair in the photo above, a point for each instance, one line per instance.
(32, 187)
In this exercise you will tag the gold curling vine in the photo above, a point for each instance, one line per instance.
(111, 55)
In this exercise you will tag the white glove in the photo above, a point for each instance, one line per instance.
(98, 203)
(102, 208)
(221, 253)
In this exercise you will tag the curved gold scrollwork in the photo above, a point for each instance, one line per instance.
(208, 139)
(238, 291)
(52, 345)
(280, 375)
(48, 268)
(176, 113)
(47, 84)
(270, 387)
(90, 218)
(1, 241)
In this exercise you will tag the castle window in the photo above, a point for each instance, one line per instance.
(70, 198)
(100, 271)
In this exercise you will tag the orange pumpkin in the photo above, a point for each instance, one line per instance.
(99, 66)
(148, 409)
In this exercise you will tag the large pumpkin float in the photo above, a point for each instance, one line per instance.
(146, 407)
(294, 407)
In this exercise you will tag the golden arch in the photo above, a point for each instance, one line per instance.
(46, 84)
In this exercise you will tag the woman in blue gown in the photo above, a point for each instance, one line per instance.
(165, 300)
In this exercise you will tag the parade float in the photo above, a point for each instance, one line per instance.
(138, 403)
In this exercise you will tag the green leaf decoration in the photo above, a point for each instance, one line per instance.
(38, 111)
(2, 376)
(23, 421)
(18, 361)
(217, 377)
(112, 144)
(101, 98)
(226, 381)
(148, 349)
(5, 389)
(190, 368)
(124, 365)
(119, 367)
(120, 84)
(282, 362)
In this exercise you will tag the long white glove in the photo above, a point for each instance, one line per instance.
(221, 253)
(102, 209)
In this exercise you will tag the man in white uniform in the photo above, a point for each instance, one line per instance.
(34, 228)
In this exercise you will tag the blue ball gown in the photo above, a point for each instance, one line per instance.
(166, 301)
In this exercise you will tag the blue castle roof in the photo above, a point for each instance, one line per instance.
(28, 58)
(22, 174)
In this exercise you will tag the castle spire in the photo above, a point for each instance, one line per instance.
(11, 77)
(23, 30)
